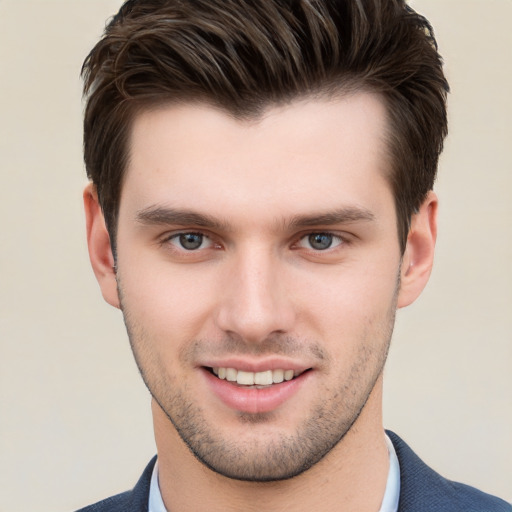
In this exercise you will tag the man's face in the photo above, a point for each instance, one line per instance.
(257, 252)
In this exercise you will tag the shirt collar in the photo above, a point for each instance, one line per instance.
(389, 502)
(392, 492)
(156, 503)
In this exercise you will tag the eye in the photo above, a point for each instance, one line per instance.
(190, 241)
(320, 241)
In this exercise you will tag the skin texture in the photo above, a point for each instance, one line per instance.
(257, 292)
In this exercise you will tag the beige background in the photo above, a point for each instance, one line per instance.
(75, 421)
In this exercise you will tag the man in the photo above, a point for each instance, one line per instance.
(260, 205)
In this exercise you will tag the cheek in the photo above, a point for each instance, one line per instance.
(354, 297)
(166, 302)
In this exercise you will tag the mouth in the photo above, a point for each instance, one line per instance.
(269, 388)
(258, 380)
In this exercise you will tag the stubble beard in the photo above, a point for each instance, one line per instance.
(263, 458)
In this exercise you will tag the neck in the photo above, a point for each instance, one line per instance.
(351, 477)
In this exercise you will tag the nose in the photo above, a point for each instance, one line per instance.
(255, 302)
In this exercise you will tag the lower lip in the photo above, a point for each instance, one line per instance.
(254, 400)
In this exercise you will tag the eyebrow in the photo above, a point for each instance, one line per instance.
(345, 215)
(159, 215)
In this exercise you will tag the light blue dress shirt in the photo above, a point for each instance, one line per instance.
(389, 502)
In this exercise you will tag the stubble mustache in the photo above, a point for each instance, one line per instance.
(275, 344)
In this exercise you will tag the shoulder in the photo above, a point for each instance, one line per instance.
(135, 500)
(117, 503)
(424, 490)
(474, 500)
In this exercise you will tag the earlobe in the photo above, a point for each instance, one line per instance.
(418, 257)
(100, 250)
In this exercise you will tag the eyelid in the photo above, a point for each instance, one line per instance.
(170, 237)
(341, 240)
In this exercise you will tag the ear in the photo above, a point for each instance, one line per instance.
(100, 250)
(419, 252)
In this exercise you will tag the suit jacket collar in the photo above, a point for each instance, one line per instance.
(421, 490)
(139, 497)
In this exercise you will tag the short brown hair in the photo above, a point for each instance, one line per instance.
(244, 55)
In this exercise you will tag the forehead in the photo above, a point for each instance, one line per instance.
(306, 153)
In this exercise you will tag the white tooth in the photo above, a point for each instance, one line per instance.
(263, 378)
(215, 371)
(246, 378)
(296, 373)
(231, 374)
(277, 376)
(222, 373)
(288, 375)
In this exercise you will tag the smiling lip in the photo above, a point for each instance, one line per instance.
(255, 398)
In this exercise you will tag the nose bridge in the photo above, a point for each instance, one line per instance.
(255, 304)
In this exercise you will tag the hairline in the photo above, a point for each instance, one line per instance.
(139, 106)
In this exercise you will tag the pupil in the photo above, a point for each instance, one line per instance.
(191, 241)
(320, 241)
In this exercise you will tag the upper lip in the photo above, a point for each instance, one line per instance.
(256, 366)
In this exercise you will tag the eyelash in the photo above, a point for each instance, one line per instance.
(177, 236)
(336, 239)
